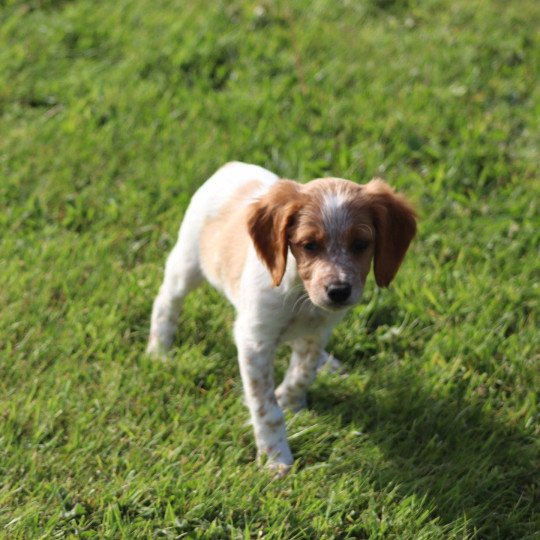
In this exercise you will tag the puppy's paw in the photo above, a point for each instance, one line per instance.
(278, 462)
(330, 363)
(156, 350)
(277, 469)
(293, 403)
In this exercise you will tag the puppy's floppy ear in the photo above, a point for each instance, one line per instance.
(395, 227)
(269, 221)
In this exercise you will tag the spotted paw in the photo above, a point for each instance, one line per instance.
(290, 402)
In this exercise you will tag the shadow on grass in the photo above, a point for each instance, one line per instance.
(447, 449)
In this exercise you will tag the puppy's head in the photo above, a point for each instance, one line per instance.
(334, 229)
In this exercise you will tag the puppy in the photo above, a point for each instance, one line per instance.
(292, 259)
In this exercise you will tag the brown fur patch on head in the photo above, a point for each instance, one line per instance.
(395, 225)
(269, 221)
(332, 239)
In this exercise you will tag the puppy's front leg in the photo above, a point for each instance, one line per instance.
(306, 358)
(255, 359)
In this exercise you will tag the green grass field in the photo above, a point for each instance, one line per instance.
(113, 113)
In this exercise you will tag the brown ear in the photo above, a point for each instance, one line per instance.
(268, 222)
(395, 227)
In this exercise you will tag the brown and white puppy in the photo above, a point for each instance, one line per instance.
(292, 259)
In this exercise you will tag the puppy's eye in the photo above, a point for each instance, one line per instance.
(311, 246)
(359, 245)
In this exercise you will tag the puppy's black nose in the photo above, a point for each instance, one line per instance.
(338, 291)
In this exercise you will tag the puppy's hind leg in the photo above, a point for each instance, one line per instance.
(182, 275)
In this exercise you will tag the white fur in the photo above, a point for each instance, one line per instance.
(266, 315)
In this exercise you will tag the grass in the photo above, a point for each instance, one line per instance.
(113, 113)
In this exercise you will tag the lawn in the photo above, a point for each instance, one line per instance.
(113, 113)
